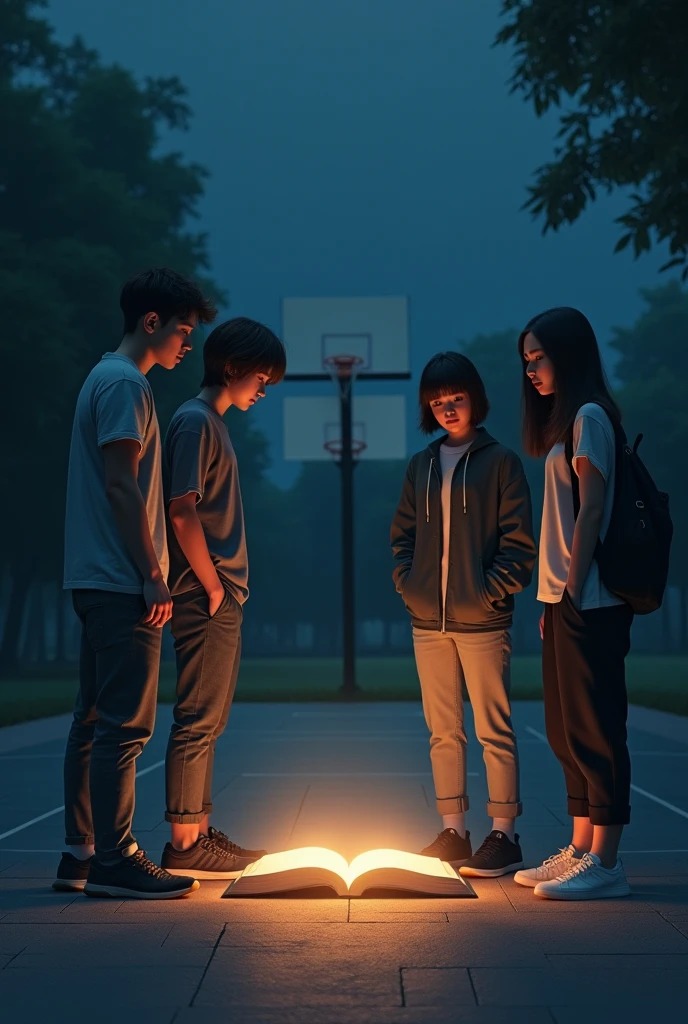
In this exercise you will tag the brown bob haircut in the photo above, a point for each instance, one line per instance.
(450, 373)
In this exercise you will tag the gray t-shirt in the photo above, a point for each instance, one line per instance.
(199, 458)
(114, 404)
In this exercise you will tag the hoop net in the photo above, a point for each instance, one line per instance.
(343, 370)
(335, 447)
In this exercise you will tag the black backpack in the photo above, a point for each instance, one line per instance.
(633, 559)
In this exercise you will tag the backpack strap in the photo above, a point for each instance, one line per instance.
(620, 442)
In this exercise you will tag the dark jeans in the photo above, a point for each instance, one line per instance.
(113, 719)
(586, 706)
(208, 654)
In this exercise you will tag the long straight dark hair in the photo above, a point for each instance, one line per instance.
(567, 338)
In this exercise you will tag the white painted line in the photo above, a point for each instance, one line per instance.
(340, 775)
(27, 824)
(32, 757)
(658, 800)
(636, 789)
(626, 852)
(56, 810)
(12, 849)
(357, 714)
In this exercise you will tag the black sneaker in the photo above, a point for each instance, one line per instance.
(71, 873)
(138, 878)
(497, 856)
(238, 851)
(450, 847)
(207, 858)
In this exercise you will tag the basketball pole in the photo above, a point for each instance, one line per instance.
(346, 465)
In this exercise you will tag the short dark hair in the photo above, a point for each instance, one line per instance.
(165, 292)
(447, 373)
(239, 347)
(568, 340)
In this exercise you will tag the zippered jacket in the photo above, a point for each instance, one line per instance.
(491, 547)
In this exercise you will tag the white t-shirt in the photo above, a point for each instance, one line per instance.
(593, 438)
(449, 457)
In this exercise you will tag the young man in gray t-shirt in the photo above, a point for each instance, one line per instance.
(116, 565)
(209, 584)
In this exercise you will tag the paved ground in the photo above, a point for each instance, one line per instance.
(351, 778)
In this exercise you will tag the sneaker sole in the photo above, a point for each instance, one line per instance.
(116, 891)
(530, 883)
(582, 895)
(69, 885)
(490, 872)
(205, 875)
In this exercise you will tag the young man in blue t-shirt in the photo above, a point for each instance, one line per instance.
(116, 565)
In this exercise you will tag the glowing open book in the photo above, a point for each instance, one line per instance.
(313, 870)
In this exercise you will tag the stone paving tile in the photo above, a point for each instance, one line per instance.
(106, 955)
(667, 894)
(613, 988)
(204, 934)
(370, 915)
(380, 1015)
(636, 933)
(627, 961)
(265, 978)
(408, 945)
(596, 1015)
(431, 986)
(38, 938)
(24, 996)
(523, 900)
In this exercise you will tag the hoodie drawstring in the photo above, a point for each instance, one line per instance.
(427, 492)
(465, 467)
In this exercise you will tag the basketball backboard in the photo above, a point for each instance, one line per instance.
(379, 422)
(375, 329)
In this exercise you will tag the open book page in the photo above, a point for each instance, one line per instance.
(292, 860)
(373, 860)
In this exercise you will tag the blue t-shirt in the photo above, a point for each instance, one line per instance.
(114, 404)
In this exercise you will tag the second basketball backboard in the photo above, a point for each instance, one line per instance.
(313, 422)
(374, 329)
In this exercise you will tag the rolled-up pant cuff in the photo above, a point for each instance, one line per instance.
(185, 819)
(609, 815)
(452, 804)
(504, 810)
(577, 808)
(80, 840)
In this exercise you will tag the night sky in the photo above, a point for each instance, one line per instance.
(367, 147)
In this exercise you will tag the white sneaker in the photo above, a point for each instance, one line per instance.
(586, 879)
(550, 868)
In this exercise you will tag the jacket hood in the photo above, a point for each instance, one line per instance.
(481, 441)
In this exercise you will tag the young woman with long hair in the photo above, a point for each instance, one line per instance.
(585, 628)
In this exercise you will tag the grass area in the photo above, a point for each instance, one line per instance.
(653, 681)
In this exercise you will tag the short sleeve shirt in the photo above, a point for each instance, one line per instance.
(114, 404)
(199, 459)
(593, 438)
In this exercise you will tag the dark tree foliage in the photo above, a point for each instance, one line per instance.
(616, 72)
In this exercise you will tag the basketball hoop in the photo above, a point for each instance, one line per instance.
(343, 369)
(335, 447)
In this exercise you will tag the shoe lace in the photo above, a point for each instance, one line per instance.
(144, 864)
(215, 835)
(444, 839)
(490, 844)
(564, 854)
(578, 867)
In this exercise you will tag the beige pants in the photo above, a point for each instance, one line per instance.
(482, 661)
